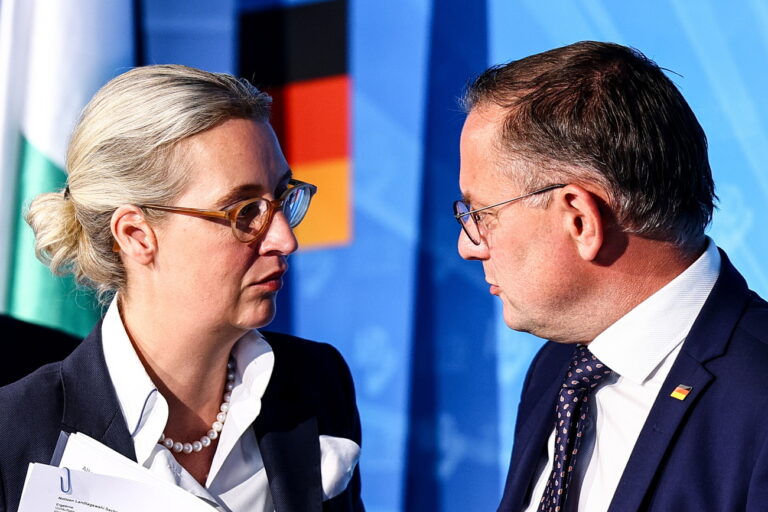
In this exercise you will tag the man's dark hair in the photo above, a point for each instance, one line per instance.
(605, 113)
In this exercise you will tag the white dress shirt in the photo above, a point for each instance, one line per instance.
(237, 480)
(640, 348)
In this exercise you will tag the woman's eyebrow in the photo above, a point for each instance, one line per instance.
(241, 192)
(286, 177)
(251, 190)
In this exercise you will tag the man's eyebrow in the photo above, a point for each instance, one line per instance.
(473, 204)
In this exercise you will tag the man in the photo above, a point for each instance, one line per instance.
(586, 192)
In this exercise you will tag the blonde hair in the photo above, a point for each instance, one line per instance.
(122, 151)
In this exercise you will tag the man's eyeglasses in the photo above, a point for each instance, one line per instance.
(469, 219)
(251, 218)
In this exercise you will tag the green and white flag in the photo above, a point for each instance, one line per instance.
(54, 55)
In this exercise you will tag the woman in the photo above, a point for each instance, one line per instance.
(179, 209)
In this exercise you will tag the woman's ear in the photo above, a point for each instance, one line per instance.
(583, 220)
(133, 235)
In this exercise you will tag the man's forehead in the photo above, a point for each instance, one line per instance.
(480, 138)
(487, 169)
(485, 120)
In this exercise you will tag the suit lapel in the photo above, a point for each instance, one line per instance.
(657, 433)
(531, 438)
(288, 437)
(90, 402)
(707, 340)
(294, 475)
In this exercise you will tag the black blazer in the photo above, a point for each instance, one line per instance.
(310, 393)
(30, 346)
(708, 452)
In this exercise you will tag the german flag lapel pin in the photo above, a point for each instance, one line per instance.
(681, 391)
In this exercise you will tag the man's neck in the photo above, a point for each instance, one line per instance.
(644, 267)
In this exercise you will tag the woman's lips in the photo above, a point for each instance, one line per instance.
(272, 282)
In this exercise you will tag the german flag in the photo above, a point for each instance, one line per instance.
(298, 54)
(681, 391)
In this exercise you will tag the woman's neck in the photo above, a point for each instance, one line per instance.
(183, 358)
(187, 361)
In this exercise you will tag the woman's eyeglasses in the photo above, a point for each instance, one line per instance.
(251, 218)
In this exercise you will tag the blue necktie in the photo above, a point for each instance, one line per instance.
(584, 374)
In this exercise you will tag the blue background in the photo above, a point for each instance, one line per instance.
(437, 373)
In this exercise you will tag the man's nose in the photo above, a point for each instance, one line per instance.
(469, 251)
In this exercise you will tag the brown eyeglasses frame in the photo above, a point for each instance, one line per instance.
(231, 213)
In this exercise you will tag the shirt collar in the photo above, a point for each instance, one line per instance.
(254, 362)
(636, 344)
(144, 408)
(146, 411)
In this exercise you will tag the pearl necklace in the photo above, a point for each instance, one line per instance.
(216, 426)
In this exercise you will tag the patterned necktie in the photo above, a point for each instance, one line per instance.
(584, 374)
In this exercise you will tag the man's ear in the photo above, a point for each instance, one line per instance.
(583, 220)
(133, 235)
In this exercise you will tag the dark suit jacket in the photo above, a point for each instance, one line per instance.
(310, 393)
(29, 346)
(708, 452)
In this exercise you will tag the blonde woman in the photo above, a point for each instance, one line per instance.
(178, 210)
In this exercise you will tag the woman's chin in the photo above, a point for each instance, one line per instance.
(256, 318)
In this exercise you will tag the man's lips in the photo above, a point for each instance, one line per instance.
(494, 289)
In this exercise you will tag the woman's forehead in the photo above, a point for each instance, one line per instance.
(239, 156)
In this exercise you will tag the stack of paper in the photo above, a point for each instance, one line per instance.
(92, 477)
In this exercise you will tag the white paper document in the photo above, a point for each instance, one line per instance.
(91, 477)
(87, 454)
(52, 489)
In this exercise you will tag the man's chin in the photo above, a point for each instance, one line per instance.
(515, 321)
(521, 323)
